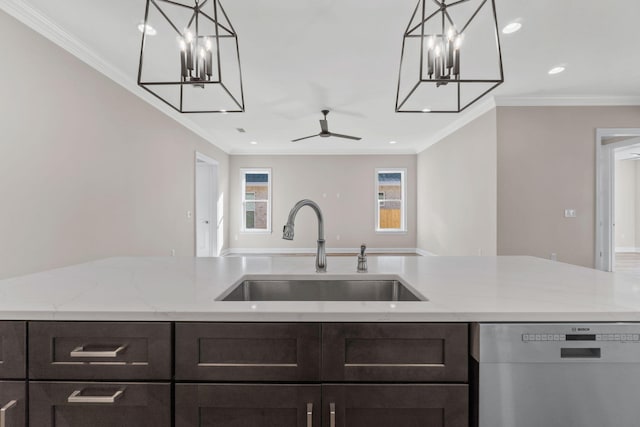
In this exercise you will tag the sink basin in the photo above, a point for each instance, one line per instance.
(321, 290)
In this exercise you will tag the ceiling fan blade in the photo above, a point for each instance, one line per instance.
(355, 138)
(324, 126)
(306, 137)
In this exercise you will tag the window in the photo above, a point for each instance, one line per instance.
(256, 200)
(390, 200)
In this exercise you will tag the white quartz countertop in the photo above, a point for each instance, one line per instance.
(500, 289)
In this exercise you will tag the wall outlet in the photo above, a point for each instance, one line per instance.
(479, 251)
(570, 213)
(173, 252)
(189, 214)
(554, 256)
(338, 237)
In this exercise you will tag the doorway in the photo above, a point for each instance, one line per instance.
(206, 216)
(618, 200)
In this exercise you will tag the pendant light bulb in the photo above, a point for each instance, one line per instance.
(207, 44)
(188, 36)
(202, 53)
(458, 41)
(438, 50)
(183, 45)
(431, 42)
(451, 34)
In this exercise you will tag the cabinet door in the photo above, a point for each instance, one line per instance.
(232, 405)
(12, 404)
(12, 350)
(408, 405)
(100, 351)
(395, 352)
(53, 404)
(248, 351)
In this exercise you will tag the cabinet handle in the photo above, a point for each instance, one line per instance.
(3, 412)
(309, 415)
(82, 352)
(332, 414)
(76, 398)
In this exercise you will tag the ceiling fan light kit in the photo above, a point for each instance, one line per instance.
(193, 62)
(451, 56)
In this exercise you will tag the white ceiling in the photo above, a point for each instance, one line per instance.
(299, 56)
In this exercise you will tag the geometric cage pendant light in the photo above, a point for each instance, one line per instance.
(450, 58)
(192, 62)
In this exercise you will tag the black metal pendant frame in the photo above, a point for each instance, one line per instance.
(221, 31)
(418, 31)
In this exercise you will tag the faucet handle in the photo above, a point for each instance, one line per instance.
(362, 259)
(363, 248)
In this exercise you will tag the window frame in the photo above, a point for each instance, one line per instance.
(244, 201)
(403, 201)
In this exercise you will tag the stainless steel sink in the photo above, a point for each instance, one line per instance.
(321, 290)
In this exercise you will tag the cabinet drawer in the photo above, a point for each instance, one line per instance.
(231, 405)
(12, 350)
(99, 404)
(360, 405)
(99, 350)
(12, 404)
(248, 351)
(394, 352)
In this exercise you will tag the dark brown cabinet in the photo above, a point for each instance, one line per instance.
(247, 405)
(12, 350)
(385, 405)
(162, 374)
(99, 351)
(12, 404)
(58, 404)
(248, 351)
(395, 352)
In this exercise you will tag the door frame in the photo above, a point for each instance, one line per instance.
(605, 194)
(215, 220)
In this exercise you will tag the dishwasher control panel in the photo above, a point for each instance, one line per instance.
(581, 337)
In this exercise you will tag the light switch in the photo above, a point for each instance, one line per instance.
(570, 213)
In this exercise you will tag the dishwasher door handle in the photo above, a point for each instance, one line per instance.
(580, 353)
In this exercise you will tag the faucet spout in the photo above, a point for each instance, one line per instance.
(288, 232)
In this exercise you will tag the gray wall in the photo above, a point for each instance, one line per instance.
(546, 164)
(457, 191)
(87, 170)
(343, 186)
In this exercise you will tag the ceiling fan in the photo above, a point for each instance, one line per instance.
(324, 133)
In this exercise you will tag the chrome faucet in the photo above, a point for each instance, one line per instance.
(287, 232)
(362, 259)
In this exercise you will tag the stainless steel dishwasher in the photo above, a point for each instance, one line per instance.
(557, 375)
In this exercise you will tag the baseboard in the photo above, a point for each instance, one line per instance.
(294, 251)
(628, 249)
(425, 253)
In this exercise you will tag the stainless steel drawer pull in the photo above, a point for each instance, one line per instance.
(332, 414)
(309, 414)
(92, 351)
(76, 398)
(3, 412)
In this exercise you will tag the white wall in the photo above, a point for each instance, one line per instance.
(344, 188)
(457, 191)
(87, 170)
(546, 164)
(627, 218)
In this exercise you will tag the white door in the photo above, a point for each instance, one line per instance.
(206, 215)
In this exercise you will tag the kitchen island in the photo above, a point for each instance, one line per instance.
(149, 341)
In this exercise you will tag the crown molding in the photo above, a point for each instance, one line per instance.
(37, 21)
(465, 118)
(566, 101)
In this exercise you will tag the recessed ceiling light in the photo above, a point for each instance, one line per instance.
(426, 110)
(556, 70)
(150, 31)
(511, 28)
(253, 143)
(393, 142)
